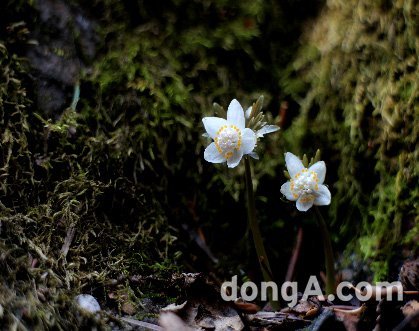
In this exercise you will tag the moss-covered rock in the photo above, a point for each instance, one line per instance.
(356, 79)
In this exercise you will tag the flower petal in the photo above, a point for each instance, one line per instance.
(213, 124)
(320, 169)
(254, 155)
(248, 112)
(294, 164)
(234, 160)
(305, 202)
(323, 196)
(212, 155)
(235, 114)
(248, 141)
(266, 129)
(286, 190)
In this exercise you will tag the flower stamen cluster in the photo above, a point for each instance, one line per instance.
(305, 185)
(228, 139)
(305, 182)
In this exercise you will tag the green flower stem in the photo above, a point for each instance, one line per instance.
(254, 227)
(328, 253)
(76, 96)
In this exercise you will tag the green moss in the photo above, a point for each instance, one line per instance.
(72, 214)
(94, 198)
(357, 87)
(86, 195)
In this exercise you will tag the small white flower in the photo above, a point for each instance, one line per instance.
(231, 139)
(306, 185)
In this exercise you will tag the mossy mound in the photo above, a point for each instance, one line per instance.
(67, 225)
(356, 79)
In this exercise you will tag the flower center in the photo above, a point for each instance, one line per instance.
(304, 183)
(227, 140)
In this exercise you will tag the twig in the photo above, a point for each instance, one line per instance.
(68, 239)
(146, 325)
(348, 309)
(380, 291)
(295, 255)
(406, 321)
(76, 96)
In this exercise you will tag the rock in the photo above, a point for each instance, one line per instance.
(409, 275)
(128, 308)
(88, 303)
(66, 44)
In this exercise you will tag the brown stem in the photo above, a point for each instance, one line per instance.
(295, 255)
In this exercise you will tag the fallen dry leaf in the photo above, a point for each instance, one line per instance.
(204, 308)
(411, 310)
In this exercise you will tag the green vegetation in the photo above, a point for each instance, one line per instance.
(356, 81)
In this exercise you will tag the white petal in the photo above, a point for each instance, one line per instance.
(323, 196)
(266, 129)
(248, 112)
(248, 141)
(213, 124)
(234, 160)
(320, 169)
(254, 155)
(235, 114)
(294, 164)
(286, 190)
(304, 202)
(212, 155)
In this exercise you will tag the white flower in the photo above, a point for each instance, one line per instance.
(231, 139)
(306, 185)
